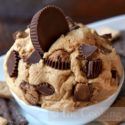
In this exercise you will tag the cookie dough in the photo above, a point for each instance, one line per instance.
(88, 71)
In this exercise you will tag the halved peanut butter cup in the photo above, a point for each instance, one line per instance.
(93, 68)
(45, 89)
(59, 59)
(86, 51)
(82, 92)
(12, 63)
(46, 26)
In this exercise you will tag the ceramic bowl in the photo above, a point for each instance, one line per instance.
(78, 117)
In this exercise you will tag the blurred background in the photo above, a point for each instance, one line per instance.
(16, 14)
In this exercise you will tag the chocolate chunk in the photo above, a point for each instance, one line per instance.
(72, 24)
(82, 92)
(87, 51)
(47, 26)
(59, 59)
(12, 63)
(107, 36)
(45, 89)
(34, 58)
(93, 68)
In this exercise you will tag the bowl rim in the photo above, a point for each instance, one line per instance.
(40, 109)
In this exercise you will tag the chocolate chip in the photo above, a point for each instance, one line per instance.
(12, 63)
(45, 89)
(82, 92)
(30, 93)
(47, 26)
(34, 58)
(93, 68)
(86, 51)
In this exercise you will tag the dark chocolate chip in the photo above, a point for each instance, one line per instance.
(45, 89)
(93, 68)
(47, 26)
(12, 63)
(86, 51)
(82, 92)
(34, 58)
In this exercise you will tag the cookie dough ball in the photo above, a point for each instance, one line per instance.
(80, 68)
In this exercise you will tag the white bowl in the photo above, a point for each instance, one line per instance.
(78, 117)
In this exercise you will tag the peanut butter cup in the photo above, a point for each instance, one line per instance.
(12, 64)
(86, 51)
(82, 92)
(93, 68)
(59, 59)
(30, 93)
(45, 89)
(34, 58)
(46, 26)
